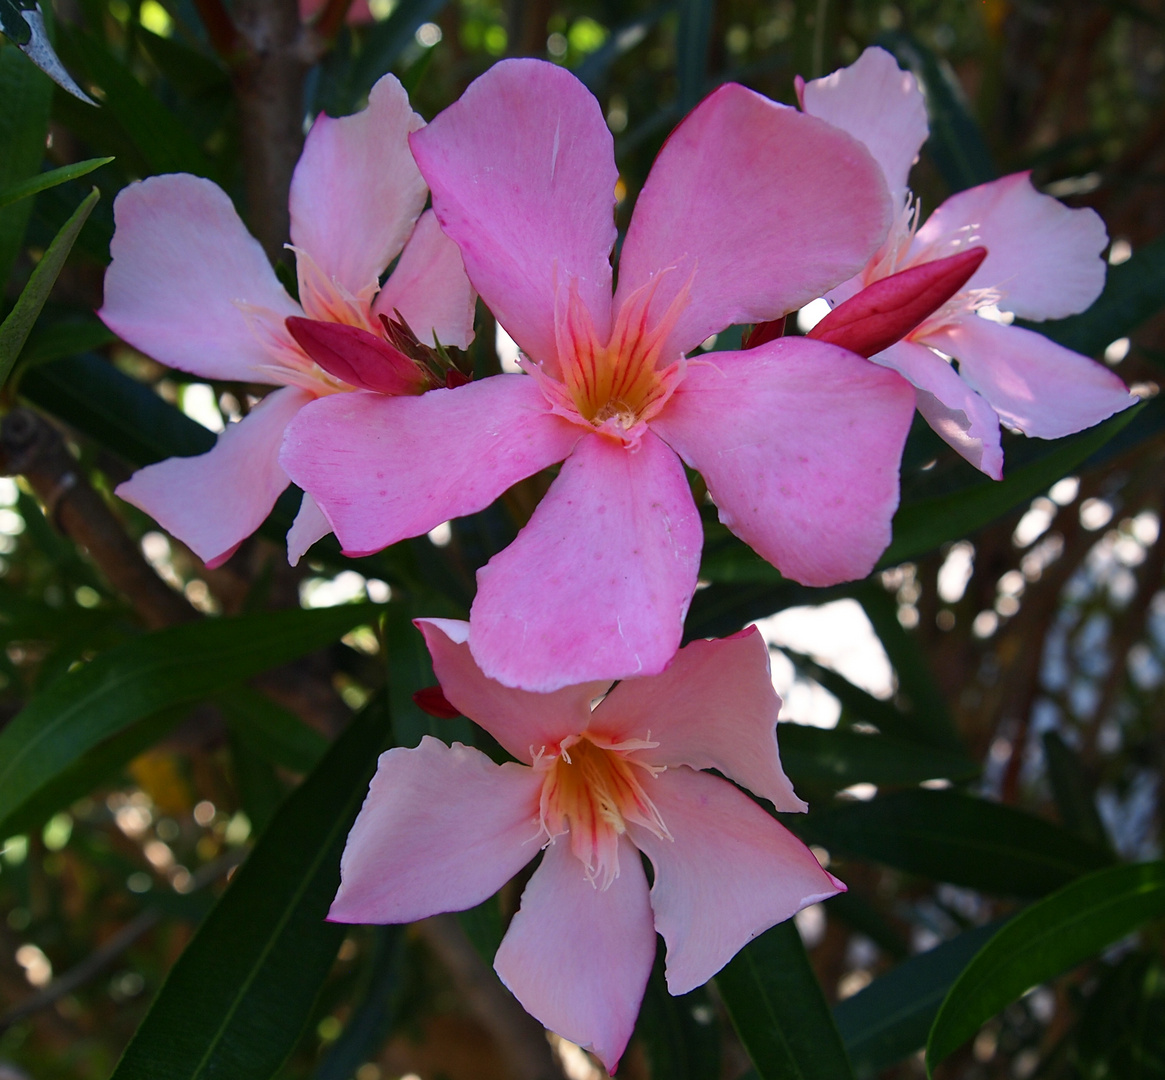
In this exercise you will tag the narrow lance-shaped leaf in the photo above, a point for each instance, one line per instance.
(45, 180)
(235, 1003)
(23, 25)
(779, 1012)
(1044, 941)
(15, 329)
(154, 672)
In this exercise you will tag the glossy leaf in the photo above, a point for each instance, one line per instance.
(952, 837)
(239, 996)
(890, 1018)
(779, 1012)
(922, 526)
(16, 327)
(153, 672)
(45, 180)
(1044, 941)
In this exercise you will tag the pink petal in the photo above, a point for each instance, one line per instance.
(878, 103)
(958, 415)
(358, 357)
(521, 721)
(578, 957)
(442, 829)
(1033, 384)
(799, 443)
(597, 584)
(356, 191)
(309, 526)
(1042, 256)
(768, 208)
(523, 176)
(184, 268)
(714, 707)
(729, 873)
(430, 289)
(215, 500)
(384, 468)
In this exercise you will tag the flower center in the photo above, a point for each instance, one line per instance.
(593, 791)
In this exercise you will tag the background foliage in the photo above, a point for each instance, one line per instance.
(168, 729)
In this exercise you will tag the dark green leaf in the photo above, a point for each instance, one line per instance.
(679, 1034)
(1044, 941)
(270, 730)
(385, 41)
(693, 40)
(24, 26)
(948, 836)
(1121, 1032)
(56, 340)
(779, 1012)
(1073, 794)
(156, 671)
(592, 72)
(24, 125)
(42, 181)
(956, 144)
(16, 327)
(923, 526)
(861, 915)
(890, 1018)
(484, 926)
(817, 758)
(239, 996)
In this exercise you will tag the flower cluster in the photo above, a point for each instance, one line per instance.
(751, 210)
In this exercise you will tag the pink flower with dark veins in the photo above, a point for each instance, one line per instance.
(1043, 262)
(443, 828)
(750, 210)
(190, 286)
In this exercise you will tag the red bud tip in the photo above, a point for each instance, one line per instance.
(764, 332)
(433, 701)
(357, 357)
(888, 310)
(455, 378)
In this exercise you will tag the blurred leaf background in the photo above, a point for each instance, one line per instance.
(182, 749)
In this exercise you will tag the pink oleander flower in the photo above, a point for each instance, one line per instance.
(749, 210)
(443, 828)
(1043, 262)
(190, 287)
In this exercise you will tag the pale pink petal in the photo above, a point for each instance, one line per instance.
(309, 526)
(714, 707)
(728, 873)
(442, 829)
(1033, 384)
(215, 500)
(1041, 255)
(385, 468)
(185, 271)
(523, 176)
(799, 443)
(958, 415)
(597, 584)
(877, 103)
(768, 208)
(524, 723)
(356, 191)
(428, 286)
(578, 957)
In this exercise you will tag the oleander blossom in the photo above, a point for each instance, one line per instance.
(443, 828)
(750, 210)
(1043, 262)
(190, 286)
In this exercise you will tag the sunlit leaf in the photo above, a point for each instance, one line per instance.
(45, 180)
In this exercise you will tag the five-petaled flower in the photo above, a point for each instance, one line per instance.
(1043, 262)
(190, 287)
(751, 209)
(443, 828)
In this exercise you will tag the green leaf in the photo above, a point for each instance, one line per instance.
(1044, 941)
(56, 340)
(45, 180)
(834, 759)
(156, 671)
(956, 144)
(693, 40)
(779, 1012)
(922, 526)
(16, 327)
(948, 836)
(24, 125)
(1073, 794)
(235, 1003)
(1133, 291)
(384, 42)
(270, 730)
(680, 1034)
(890, 1018)
(24, 25)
